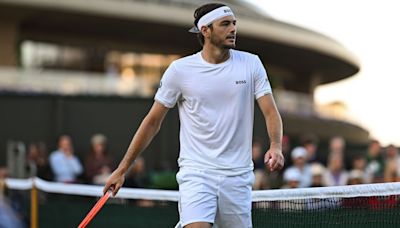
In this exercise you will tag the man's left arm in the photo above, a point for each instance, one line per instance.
(273, 158)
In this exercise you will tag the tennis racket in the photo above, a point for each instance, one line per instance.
(96, 208)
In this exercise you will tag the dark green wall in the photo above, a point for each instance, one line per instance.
(44, 118)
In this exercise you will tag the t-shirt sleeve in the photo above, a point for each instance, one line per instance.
(261, 82)
(168, 91)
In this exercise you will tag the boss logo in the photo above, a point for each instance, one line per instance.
(241, 82)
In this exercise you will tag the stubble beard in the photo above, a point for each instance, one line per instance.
(220, 43)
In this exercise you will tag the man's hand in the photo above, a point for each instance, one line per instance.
(69, 153)
(274, 159)
(114, 182)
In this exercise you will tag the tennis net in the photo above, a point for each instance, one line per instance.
(65, 205)
(369, 205)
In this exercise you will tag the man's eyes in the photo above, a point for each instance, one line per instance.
(228, 23)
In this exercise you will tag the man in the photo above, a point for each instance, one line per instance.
(64, 164)
(375, 163)
(310, 143)
(215, 91)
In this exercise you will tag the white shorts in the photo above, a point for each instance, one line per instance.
(224, 201)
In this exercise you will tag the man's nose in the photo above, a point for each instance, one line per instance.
(232, 29)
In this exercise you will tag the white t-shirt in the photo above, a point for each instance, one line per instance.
(216, 109)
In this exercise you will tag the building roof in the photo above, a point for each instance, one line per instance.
(287, 46)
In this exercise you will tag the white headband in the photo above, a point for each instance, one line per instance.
(212, 16)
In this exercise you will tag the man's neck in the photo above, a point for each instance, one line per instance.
(214, 55)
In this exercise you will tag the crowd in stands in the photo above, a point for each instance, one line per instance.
(305, 167)
(63, 165)
(93, 167)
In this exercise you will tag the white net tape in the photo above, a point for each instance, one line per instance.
(350, 191)
(90, 190)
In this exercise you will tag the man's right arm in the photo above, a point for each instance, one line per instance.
(147, 130)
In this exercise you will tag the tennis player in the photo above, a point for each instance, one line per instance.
(215, 91)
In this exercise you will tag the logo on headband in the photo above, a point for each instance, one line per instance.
(212, 16)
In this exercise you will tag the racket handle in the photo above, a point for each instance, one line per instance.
(96, 208)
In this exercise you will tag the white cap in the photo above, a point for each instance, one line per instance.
(299, 152)
(317, 169)
(356, 174)
(98, 139)
(292, 175)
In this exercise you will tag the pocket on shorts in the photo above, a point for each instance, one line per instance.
(248, 178)
(180, 176)
(185, 175)
(252, 178)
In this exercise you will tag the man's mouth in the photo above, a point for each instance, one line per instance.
(231, 37)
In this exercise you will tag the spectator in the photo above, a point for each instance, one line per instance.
(260, 181)
(317, 172)
(310, 143)
(337, 146)
(299, 156)
(136, 176)
(65, 165)
(292, 178)
(8, 216)
(375, 162)
(358, 166)
(335, 175)
(392, 164)
(98, 163)
(37, 162)
(355, 177)
(359, 163)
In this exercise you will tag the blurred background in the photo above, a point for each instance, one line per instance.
(77, 77)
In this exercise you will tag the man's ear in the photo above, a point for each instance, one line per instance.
(205, 31)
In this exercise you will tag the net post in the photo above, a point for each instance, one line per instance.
(2, 187)
(34, 206)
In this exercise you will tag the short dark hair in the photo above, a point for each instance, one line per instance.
(308, 139)
(201, 11)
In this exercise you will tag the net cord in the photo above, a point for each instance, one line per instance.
(350, 191)
(90, 190)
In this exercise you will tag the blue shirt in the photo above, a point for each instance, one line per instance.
(65, 168)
